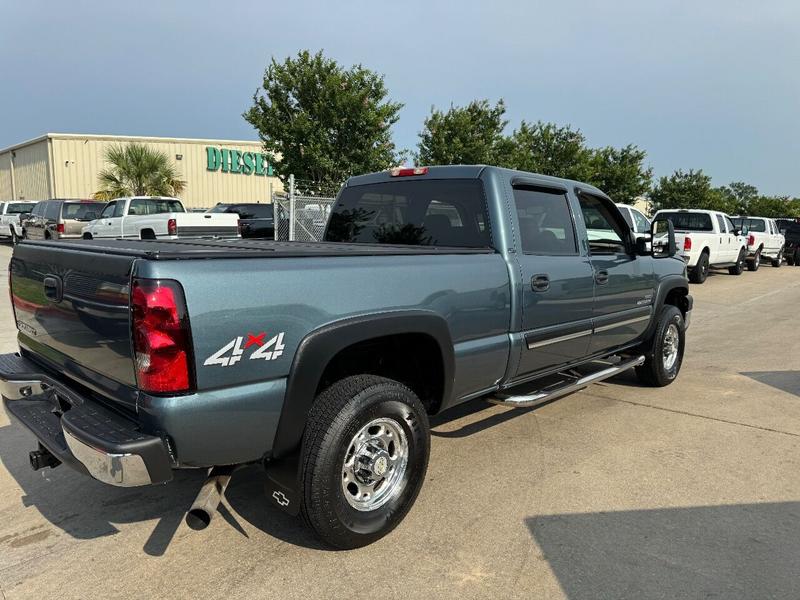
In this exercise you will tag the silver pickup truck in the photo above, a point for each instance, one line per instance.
(322, 361)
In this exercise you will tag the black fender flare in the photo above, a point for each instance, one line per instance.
(318, 347)
(669, 283)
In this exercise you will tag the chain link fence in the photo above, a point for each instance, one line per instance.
(302, 213)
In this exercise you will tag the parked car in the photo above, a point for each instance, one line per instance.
(323, 361)
(255, 220)
(709, 239)
(635, 219)
(10, 213)
(790, 228)
(764, 240)
(152, 217)
(59, 219)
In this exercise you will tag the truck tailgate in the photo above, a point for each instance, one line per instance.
(72, 310)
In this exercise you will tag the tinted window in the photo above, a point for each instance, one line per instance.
(154, 206)
(37, 210)
(250, 211)
(686, 221)
(81, 211)
(2, 206)
(545, 222)
(440, 212)
(626, 214)
(604, 231)
(15, 208)
(51, 210)
(220, 208)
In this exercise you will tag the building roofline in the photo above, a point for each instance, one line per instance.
(111, 137)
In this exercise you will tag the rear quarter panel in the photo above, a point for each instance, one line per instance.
(233, 298)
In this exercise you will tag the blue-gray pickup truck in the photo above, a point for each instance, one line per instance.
(322, 361)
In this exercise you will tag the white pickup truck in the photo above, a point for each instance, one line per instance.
(151, 217)
(764, 240)
(708, 239)
(9, 217)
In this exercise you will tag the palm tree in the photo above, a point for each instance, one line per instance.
(137, 170)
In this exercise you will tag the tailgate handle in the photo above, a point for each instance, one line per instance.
(53, 289)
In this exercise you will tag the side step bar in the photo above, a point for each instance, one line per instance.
(563, 388)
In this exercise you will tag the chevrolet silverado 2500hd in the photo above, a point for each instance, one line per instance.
(322, 361)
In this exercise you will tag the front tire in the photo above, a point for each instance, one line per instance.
(700, 271)
(778, 260)
(364, 457)
(664, 357)
(738, 268)
(755, 262)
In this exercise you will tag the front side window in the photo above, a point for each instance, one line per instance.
(545, 221)
(108, 211)
(51, 210)
(728, 222)
(604, 231)
(418, 212)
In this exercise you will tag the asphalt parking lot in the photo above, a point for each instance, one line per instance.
(691, 491)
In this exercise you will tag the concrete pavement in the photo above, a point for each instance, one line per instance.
(691, 491)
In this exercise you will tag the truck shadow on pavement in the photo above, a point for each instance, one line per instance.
(786, 381)
(729, 551)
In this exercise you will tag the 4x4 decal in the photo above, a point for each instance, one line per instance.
(263, 350)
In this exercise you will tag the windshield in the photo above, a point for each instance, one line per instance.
(687, 221)
(81, 211)
(444, 212)
(16, 208)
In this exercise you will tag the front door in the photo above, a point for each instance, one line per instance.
(624, 289)
(557, 282)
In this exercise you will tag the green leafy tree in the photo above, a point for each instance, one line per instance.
(688, 189)
(549, 149)
(138, 170)
(468, 135)
(773, 207)
(323, 121)
(739, 196)
(620, 172)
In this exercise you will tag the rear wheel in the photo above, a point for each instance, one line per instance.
(778, 260)
(87, 236)
(700, 271)
(738, 268)
(755, 262)
(364, 457)
(797, 257)
(664, 357)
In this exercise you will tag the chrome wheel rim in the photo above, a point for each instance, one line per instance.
(757, 260)
(375, 464)
(671, 344)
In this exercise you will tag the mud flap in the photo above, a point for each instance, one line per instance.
(282, 484)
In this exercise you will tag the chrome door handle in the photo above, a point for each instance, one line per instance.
(540, 283)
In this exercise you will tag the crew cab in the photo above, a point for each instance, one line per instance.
(9, 217)
(153, 217)
(764, 240)
(709, 239)
(323, 361)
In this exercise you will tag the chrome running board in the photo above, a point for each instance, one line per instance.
(563, 388)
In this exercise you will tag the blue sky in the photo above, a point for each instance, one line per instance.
(705, 84)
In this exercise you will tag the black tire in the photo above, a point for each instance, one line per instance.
(755, 262)
(88, 236)
(790, 257)
(700, 271)
(778, 260)
(738, 268)
(655, 372)
(339, 414)
(14, 237)
(797, 257)
(24, 234)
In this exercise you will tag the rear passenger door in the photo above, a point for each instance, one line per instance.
(557, 282)
(623, 282)
(723, 252)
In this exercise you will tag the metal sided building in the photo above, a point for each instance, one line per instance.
(66, 165)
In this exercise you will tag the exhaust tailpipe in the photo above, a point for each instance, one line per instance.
(208, 499)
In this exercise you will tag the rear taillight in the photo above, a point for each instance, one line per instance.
(751, 240)
(687, 244)
(161, 339)
(60, 228)
(409, 171)
(172, 227)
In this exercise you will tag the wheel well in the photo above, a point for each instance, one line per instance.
(413, 359)
(706, 250)
(676, 297)
(87, 236)
(147, 234)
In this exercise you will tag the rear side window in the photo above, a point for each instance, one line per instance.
(439, 212)
(686, 221)
(721, 223)
(757, 225)
(81, 211)
(545, 222)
